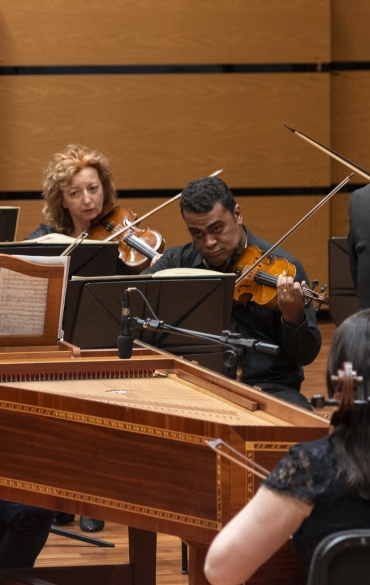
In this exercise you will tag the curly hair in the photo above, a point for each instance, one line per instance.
(58, 176)
(200, 196)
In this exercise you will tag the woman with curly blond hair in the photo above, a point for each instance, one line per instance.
(77, 188)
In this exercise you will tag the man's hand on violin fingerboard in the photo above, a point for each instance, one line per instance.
(291, 301)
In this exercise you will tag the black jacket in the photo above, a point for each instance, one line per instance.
(298, 346)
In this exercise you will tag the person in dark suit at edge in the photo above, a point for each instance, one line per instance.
(359, 244)
(23, 533)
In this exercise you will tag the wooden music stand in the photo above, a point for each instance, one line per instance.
(46, 341)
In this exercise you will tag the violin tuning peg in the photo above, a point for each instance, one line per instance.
(323, 288)
(318, 306)
(314, 283)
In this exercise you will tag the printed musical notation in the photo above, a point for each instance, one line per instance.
(22, 303)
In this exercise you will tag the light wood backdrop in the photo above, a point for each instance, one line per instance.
(163, 127)
(350, 30)
(162, 131)
(71, 32)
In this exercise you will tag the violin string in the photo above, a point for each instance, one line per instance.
(267, 279)
(140, 246)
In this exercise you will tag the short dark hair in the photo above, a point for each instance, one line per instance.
(201, 196)
(351, 343)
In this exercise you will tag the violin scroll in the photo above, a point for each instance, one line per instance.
(345, 383)
(311, 295)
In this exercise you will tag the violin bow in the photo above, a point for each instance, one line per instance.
(245, 462)
(297, 225)
(127, 227)
(74, 244)
(332, 153)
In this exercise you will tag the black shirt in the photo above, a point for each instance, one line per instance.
(310, 473)
(298, 346)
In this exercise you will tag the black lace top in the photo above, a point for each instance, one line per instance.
(310, 473)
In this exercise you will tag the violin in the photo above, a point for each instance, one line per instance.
(252, 262)
(137, 246)
(260, 284)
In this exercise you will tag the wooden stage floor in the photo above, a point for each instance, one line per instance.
(60, 551)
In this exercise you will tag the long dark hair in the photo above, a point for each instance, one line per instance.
(351, 343)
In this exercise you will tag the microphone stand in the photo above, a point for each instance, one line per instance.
(237, 346)
(234, 355)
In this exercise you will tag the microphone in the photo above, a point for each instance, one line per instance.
(125, 340)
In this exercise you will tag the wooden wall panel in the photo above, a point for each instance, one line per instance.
(350, 119)
(162, 131)
(71, 32)
(339, 215)
(350, 30)
(268, 217)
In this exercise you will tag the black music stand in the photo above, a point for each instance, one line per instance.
(81, 537)
(92, 315)
(87, 259)
(8, 223)
(342, 294)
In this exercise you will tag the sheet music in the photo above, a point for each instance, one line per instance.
(65, 261)
(22, 303)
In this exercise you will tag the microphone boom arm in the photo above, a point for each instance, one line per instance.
(226, 339)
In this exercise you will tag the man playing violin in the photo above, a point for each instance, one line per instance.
(215, 224)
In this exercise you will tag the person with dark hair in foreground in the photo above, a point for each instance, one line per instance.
(23, 533)
(214, 221)
(318, 489)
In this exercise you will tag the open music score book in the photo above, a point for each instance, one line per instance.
(169, 272)
(32, 296)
